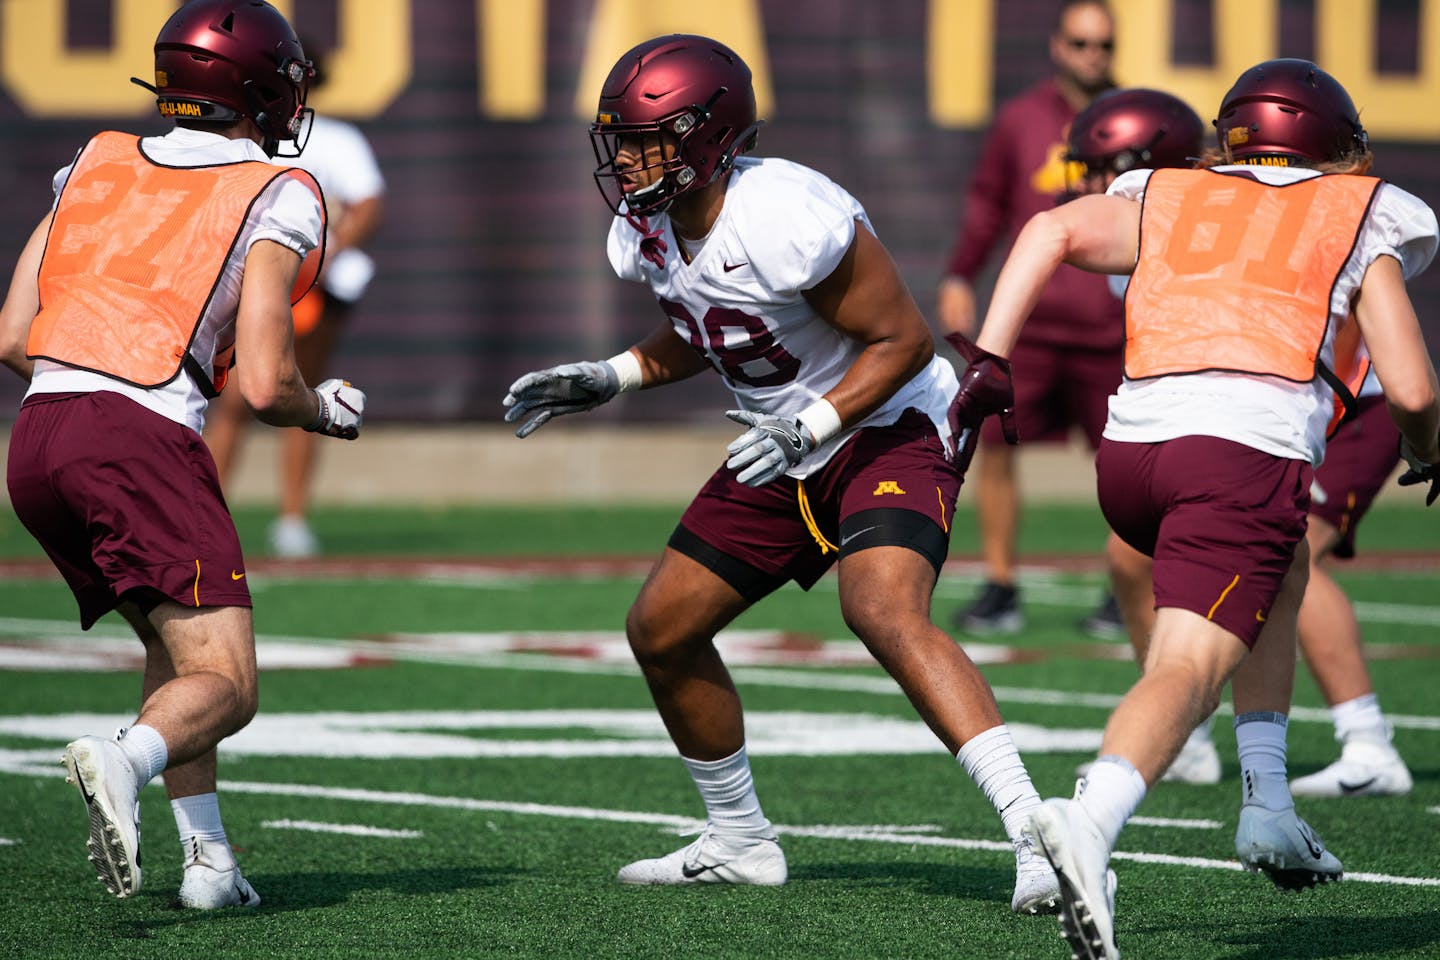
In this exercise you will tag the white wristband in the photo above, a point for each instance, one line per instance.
(821, 419)
(627, 370)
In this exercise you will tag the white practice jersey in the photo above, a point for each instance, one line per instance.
(740, 302)
(341, 160)
(1271, 414)
(287, 213)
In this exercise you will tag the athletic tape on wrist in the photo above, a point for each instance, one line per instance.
(821, 419)
(627, 370)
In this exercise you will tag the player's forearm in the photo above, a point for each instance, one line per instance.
(877, 374)
(1038, 251)
(665, 358)
(358, 224)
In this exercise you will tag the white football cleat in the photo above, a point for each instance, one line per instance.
(107, 782)
(1198, 762)
(714, 858)
(1076, 849)
(1366, 768)
(292, 539)
(1036, 888)
(209, 884)
(1285, 847)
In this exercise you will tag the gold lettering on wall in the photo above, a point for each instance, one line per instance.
(960, 55)
(47, 79)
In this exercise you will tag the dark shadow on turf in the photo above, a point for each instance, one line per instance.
(1313, 938)
(283, 892)
(967, 882)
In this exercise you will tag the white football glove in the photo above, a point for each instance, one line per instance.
(342, 408)
(770, 447)
(568, 388)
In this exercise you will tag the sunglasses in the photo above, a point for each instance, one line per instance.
(1075, 43)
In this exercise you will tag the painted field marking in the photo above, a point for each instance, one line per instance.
(1178, 824)
(686, 826)
(7, 842)
(537, 651)
(348, 829)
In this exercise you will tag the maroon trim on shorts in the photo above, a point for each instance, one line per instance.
(901, 466)
(122, 498)
(1359, 460)
(1222, 521)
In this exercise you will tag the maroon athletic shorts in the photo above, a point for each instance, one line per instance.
(1057, 388)
(889, 486)
(1359, 459)
(123, 499)
(1221, 519)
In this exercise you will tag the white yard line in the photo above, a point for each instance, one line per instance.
(348, 829)
(906, 836)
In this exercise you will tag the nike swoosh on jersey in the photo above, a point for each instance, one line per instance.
(236, 576)
(735, 266)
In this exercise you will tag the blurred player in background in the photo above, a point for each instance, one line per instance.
(1126, 130)
(1069, 359)
(340, 157)
(1244, 273)
(162, 258)
(1123, 130)
(770, 274)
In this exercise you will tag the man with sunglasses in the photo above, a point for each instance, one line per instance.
(1072, 344)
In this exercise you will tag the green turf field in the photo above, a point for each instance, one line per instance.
(478, 732)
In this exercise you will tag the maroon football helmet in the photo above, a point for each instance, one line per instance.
(1138, 128)
(219, 60)
(1289, 110)
(693, 94)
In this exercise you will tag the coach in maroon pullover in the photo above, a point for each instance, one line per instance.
(1069, 358)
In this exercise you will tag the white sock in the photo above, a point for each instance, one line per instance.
(1260, 743)
(728, 790)
(1360, 717)
(1110, 793)
(145, 749)
(991, 760)
(198, 818)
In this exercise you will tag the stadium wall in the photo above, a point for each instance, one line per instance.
(491, 259)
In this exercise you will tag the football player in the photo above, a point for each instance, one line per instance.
(771, 276)
(1126, 129)
(1245, 271)
(162, 259)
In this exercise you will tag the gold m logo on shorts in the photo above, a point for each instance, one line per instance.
(887, 486)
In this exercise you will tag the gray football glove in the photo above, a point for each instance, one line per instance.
(770, 447)
(568, 388)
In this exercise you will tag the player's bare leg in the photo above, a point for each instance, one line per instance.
(997, 503)
(671, 628)
(1369, 764)
(226, 423)
(885, 599)
(1271, 836)
(211, 877)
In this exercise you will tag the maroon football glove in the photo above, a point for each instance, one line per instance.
(985, 388)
